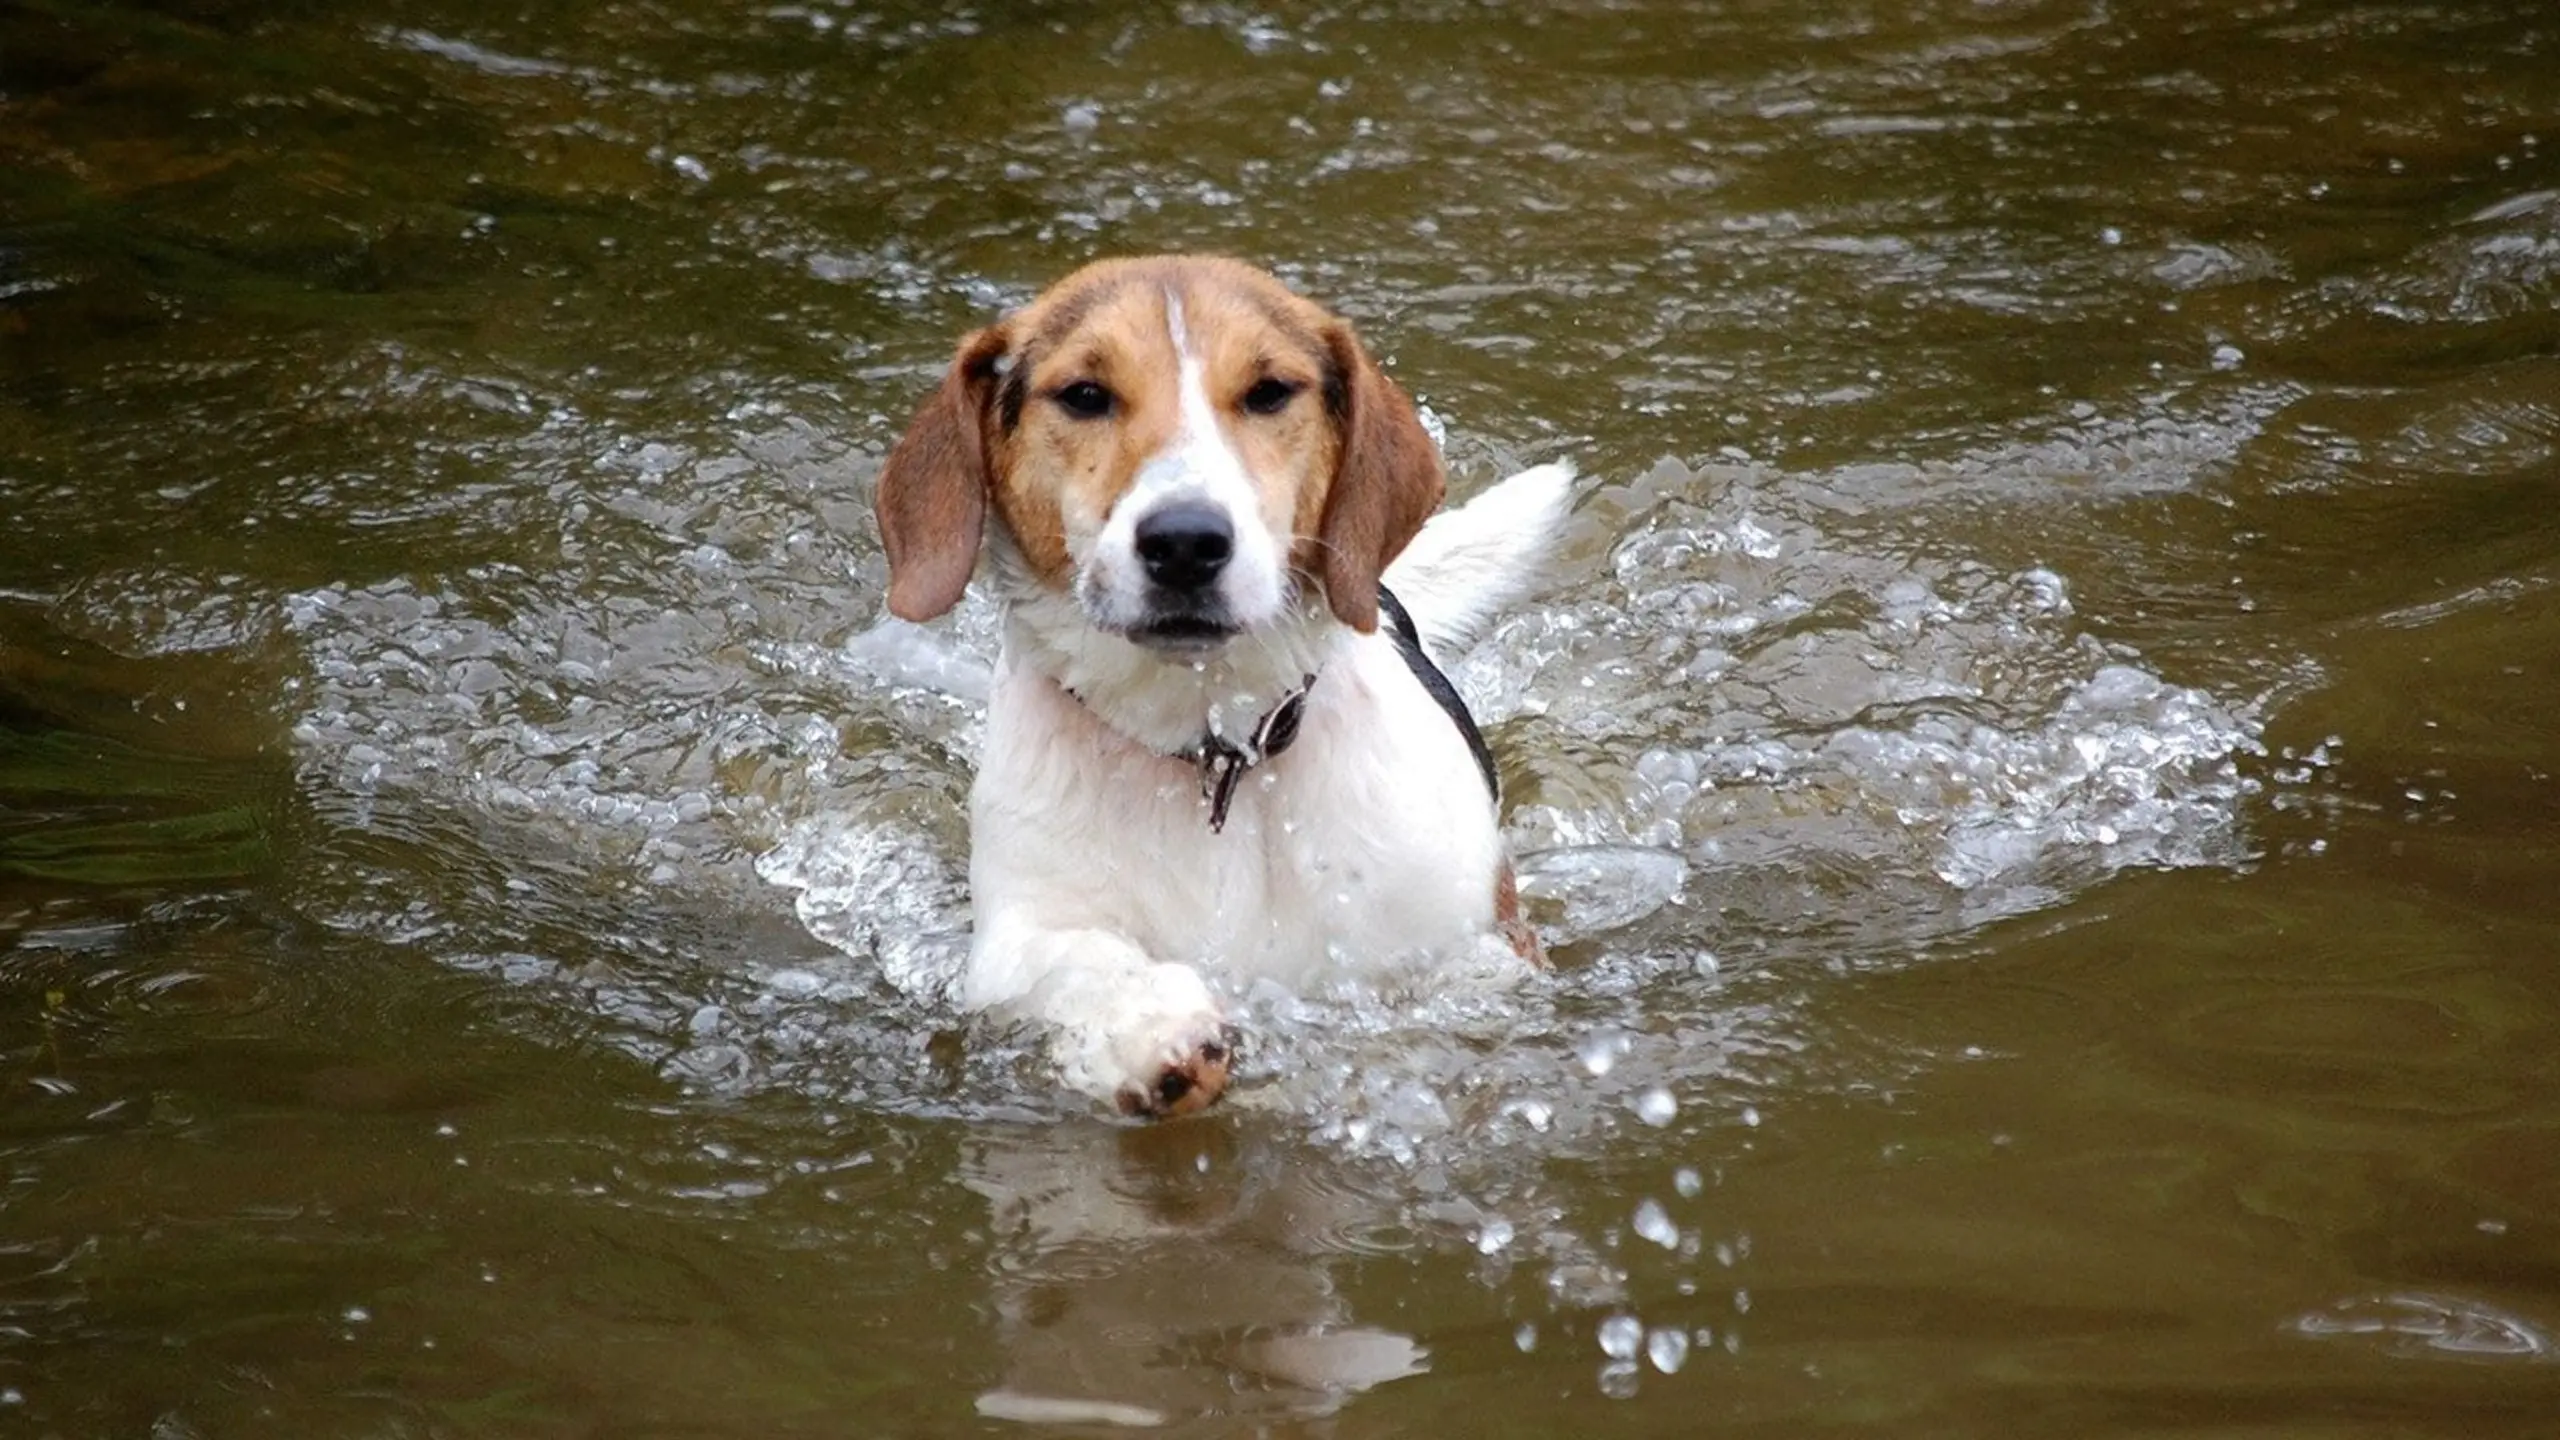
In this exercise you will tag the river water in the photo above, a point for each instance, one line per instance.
(2037, 771)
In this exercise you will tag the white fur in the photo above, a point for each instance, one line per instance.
(1196, 464)
(1104, 902)
(1467, 565)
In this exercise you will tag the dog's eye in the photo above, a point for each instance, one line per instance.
(1269, 396)
(1083, 399)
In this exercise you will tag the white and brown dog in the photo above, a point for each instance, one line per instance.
(1204, 753)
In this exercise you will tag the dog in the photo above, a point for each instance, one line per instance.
(1216, 741)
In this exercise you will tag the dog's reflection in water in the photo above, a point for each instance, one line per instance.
(1146, 1276)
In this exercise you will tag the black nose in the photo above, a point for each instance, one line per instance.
(1185, 546)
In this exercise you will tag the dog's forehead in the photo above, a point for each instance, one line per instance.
(1130, 307)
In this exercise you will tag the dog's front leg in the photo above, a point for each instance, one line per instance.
(1145, 1035)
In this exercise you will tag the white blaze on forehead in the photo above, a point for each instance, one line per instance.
(1198, 455)
(1196, 463)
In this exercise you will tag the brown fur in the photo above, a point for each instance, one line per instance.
(1509, 923)
(1387, 483)
(932, 498)
(1346, 470)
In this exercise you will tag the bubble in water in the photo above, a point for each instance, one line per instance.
(1493, 1236)
(1618, 1379)
(1668, 1349)
(1599, 1051)
(1654, 1224)
(1526, 1337)
(1620, 1335)
(1686, 1181)
(795, 984)
(1655, 1107)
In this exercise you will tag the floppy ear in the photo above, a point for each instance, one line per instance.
(932, 497)
(1386, 482)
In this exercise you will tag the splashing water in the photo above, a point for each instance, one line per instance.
(1772, 730)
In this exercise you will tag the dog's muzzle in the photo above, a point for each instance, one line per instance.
(1184, 548)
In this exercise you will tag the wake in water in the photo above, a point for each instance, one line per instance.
(1769, 725)
(1738, 742)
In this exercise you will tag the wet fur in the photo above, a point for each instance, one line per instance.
(1103, 899)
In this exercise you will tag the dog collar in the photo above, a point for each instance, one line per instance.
(1223, 762)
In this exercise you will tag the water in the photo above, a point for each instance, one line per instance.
(2036, 772)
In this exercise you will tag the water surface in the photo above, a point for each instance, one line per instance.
(2039, 771)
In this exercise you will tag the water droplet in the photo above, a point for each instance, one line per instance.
(1668, 1349)
(1620, 1335)
(1526, 1337)
(1655, 1107)
(1493, 1235)
(1686, 1181)
(356, 1314)
(1599, 1051)
(1654, 1223)
(1751, 1116)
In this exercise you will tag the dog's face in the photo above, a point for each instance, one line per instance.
(1178, 443)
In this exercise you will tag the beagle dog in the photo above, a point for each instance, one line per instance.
(1216, 745)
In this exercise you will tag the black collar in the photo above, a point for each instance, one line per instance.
(1223, 762)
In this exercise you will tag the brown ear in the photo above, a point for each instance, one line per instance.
(1385, 484)
(932, 497)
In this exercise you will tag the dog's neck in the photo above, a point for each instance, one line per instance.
(1175, 707)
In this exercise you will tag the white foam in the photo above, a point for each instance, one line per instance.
(1776, 728)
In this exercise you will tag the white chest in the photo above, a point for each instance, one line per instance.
(1370, 839)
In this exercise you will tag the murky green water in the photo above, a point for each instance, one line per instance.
(2046, 797)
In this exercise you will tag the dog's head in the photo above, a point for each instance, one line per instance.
(1177, 442)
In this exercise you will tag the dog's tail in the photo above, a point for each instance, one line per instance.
(1470, 564)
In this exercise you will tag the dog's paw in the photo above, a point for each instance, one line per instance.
(1149, 1038)
(1189, 1080)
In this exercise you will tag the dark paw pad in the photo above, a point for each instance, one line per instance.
(1186, 1086)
